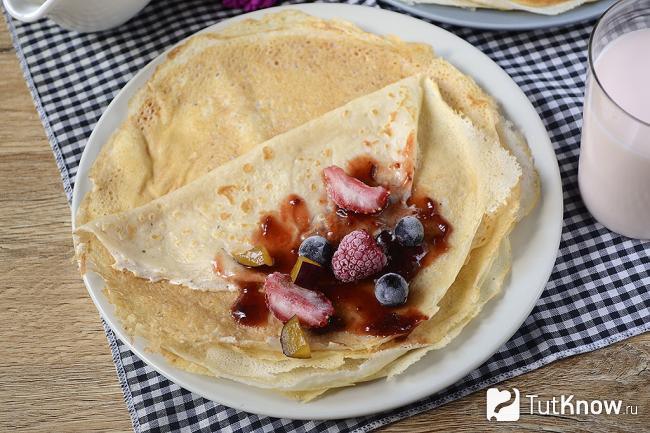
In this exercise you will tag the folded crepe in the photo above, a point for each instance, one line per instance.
(458, 157)
(419, 148)
(543, 7)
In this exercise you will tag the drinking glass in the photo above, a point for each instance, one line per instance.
(614, 165)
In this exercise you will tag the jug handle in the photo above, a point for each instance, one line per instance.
(26, 12)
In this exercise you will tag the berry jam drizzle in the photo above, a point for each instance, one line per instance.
(359, 312)
(357, 309)
(281, 233)
(364, 169)
(250, 308)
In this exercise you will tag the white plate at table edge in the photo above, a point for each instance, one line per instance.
(494, 19)
(535, 244)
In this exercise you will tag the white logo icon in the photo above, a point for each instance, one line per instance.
(501, 405)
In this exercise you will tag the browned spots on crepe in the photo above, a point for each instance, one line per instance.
(228, 192)
(268, 153)
(247, 205)
(409, 169)
(149, 110)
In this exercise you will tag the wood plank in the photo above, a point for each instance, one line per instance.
(56, 372)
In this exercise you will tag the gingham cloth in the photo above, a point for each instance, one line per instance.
(599, 290)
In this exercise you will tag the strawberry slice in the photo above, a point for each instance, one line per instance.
(285, 299)
(353, 195)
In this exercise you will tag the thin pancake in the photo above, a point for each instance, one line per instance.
(243, 90)
(449, 145)
(180, 237)
(480, 280)
(144, 161)
(452, 153)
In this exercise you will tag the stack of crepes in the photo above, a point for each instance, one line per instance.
(543, 7)
(231, 125)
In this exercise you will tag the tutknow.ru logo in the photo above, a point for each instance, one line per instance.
(506, 405)
(502, 405)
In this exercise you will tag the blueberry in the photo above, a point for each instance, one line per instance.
(317, 249)
(391, 290)
(409, 232)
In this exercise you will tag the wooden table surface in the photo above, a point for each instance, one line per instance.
(56, 372)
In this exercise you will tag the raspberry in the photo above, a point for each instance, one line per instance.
(357, 257)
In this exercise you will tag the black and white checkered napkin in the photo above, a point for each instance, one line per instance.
(598, 293)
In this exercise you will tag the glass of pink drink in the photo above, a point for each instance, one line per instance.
(614, 167)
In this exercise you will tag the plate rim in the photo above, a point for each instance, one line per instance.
(533, 21)
(307, 411)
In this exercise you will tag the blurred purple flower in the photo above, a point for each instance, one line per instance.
(248, 5)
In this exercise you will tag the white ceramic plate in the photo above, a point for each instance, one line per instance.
(493, 19)
(535, 243)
